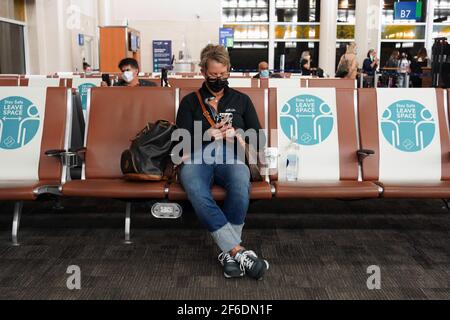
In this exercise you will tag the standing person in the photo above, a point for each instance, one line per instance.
(305, 63)
(370, 66)
(392, 65)
(404, 69)
(371, 63)
(393, 61)
(348, 65)
(197, 175)
(417, 63)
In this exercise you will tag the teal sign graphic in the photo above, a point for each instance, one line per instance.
(307, 119)
(83, 90)
(408, 126)
(19, 122)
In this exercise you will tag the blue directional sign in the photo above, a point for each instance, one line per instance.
(407, 10)
(226, 36)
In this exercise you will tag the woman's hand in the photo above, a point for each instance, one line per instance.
(222, 130)
(215, 134)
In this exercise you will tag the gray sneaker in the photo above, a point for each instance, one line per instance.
(253, 266)
(231, 268)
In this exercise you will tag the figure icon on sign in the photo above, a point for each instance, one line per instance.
(293, 125)
(326, 115)
(423, 127)
(29, 125)
(392, 127)
(1, 129)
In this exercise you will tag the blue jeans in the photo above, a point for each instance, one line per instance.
(225, 225)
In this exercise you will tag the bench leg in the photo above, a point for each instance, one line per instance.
(446, 204)
(127, 223)
(16, 222)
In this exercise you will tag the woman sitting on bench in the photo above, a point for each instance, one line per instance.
(219, 111)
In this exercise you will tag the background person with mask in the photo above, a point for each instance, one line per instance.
(370, 66)
(129, 78)
(305, 63)
(264, 73)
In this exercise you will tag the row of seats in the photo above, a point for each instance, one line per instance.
(191, 82)
(46, 82)
(267, 83)
(365, 164)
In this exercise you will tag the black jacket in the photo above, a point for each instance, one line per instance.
(238, 103)
(367, 67)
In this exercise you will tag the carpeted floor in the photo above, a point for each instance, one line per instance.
(317, 250)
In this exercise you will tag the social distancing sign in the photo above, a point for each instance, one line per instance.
(409, 137)
(22, 112)
(308, 134)
(83, 85)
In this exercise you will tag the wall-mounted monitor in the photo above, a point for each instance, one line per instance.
(133, 41)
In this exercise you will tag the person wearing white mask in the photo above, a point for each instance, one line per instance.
(305, 63)
(129, 68)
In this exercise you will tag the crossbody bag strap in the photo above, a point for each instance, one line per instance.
(205, 112)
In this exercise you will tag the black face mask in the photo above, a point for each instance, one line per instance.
(217, 85)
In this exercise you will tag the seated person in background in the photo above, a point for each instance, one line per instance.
(264, 73)
(320, 73)
(305, 63)
(87, 67)
(129, 78)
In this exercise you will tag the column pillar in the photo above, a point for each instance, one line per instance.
(429, 27)
(104, 12)
(328, 30)
(367, 28)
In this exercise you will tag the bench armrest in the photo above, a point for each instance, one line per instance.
(363, 154)
(54, 153)
(72, 158)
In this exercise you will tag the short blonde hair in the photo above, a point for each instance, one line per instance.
(214, 52)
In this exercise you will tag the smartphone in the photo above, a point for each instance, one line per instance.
(228, 117)
(106, 78)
